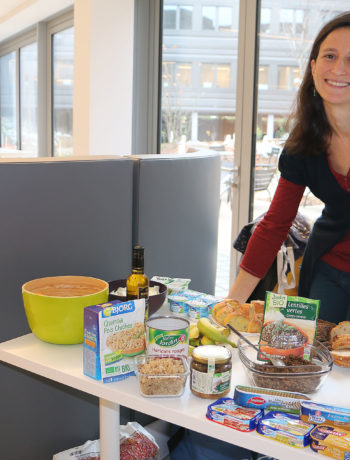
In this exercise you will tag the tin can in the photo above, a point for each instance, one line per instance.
(167, 335)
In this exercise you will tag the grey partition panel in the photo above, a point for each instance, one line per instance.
(177, 211)
(57, 218)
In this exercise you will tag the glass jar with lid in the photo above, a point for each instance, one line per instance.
(211, 367)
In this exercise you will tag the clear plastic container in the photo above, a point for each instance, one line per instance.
(302, 378)
(161, 376)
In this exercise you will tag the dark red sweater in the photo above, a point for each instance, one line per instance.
(273, 229)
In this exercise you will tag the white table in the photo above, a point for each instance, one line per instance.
(64, 364)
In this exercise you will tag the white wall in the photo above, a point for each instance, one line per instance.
(111, 76)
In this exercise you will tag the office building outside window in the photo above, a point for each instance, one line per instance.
(29, 98)
(8, 101)
(62, 97)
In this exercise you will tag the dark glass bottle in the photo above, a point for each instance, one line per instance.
(137, 284)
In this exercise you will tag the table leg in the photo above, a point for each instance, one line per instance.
(109, 430)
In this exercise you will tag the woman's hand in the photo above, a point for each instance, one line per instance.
(243, 286)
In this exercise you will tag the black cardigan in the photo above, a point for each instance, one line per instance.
(334, 222)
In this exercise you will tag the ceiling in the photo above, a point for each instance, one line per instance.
(17, 15)
(8, 8)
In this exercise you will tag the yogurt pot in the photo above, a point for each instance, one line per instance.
(167, 335)
(178, 304)
(197, 309)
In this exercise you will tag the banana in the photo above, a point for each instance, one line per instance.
(206, 341)
(208, 329)
(194, 332)
(195, 342)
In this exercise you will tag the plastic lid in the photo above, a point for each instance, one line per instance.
(217, 353)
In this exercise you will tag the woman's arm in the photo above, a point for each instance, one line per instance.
(243, 286)
(267, 239)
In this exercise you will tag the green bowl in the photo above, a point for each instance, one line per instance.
(55, 305)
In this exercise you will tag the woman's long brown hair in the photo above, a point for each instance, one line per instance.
(311, 130)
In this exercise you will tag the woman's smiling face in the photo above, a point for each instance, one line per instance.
(331, 69)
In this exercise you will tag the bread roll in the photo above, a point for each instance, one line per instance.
(339, 329)
(341, 357)
(341, 342)
(238, 321)
(258, 305)
(255, 323)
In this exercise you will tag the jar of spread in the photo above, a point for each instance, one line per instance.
(211, 371)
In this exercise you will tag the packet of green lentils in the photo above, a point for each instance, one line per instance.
(289, 326)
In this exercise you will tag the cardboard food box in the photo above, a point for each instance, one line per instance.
(114, 332)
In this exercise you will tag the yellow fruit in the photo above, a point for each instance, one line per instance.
(195, 342)
(224, 331)
(206, 341)
(210, 330)
(194, 332)
(190, 349)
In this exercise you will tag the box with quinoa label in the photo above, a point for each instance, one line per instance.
(289, 325)
(114, 332)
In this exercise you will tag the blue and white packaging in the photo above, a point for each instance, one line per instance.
(114, 332)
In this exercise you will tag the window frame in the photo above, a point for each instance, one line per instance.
(58, 24)
(41, 34)
(13, 45)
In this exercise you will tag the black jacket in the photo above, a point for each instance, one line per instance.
(334, 222)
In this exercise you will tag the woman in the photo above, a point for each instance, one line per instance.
(316, 155)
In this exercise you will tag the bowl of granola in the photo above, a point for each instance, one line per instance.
(161, 376)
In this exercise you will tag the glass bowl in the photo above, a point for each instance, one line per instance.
(300, 378)
(161, 376)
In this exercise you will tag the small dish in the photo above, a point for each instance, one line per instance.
(155, 301)
(161, 376)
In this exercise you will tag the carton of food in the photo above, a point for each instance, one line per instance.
(269, 400)
(226, 412)
(331, 442)
(323, 414)
(285, 428)
(114, 332)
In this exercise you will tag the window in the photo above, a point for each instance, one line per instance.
(215, 75)
(184, 74)
(62, 92)
(291, 21)
(185, 17)
(176, 74)
(8, 101)
(37, 120)
(225, 18)
(263, 77)
(217, 18)
(29, 97)
(169, 17)
(208, 75)
(208, 17)
(177, 17)
(288, 77)
(265, 20)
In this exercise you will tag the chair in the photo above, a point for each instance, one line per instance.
(263, 177)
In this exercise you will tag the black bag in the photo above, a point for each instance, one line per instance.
(297, 238)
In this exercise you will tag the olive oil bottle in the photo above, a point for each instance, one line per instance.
(137, 284)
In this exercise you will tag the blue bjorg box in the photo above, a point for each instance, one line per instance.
(114, 333)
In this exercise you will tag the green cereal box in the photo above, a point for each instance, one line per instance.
(114, 332)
